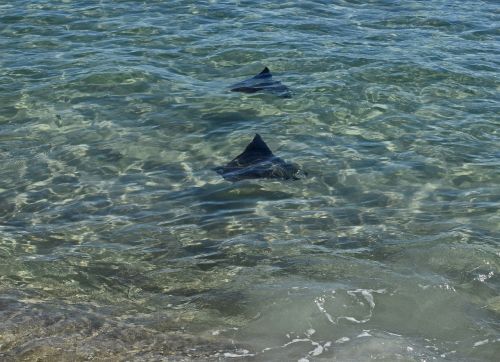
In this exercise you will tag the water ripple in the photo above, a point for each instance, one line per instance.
(119, 241)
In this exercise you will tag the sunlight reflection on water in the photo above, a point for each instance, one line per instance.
(119, 241)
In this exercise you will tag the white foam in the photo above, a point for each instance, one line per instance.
(310, 332)
(241, 353)
(295, 341)
(342, 340)
(318, 350)
(320, 303)
(369, 298)
(480, 343)
(364, 334)
(352, 319)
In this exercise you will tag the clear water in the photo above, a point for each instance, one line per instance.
(118, 241)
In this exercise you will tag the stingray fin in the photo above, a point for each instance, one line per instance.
(257, 147)
(266, 73)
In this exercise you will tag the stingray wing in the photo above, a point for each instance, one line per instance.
(261, 82)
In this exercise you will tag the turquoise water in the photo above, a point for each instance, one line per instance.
(119, 242)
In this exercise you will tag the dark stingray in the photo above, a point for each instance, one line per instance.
(262, 82)
(258, 161)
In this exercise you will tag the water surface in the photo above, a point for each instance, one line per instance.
(119, 242)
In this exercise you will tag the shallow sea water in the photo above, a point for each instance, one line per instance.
(119, 242)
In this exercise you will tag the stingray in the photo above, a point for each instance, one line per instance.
(262, 82)
(258, 161)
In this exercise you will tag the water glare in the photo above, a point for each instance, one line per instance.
(118, 241)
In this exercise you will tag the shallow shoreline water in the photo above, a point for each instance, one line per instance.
(118, 241)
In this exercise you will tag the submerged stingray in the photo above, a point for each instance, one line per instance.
(258, 161)
(262, 82)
